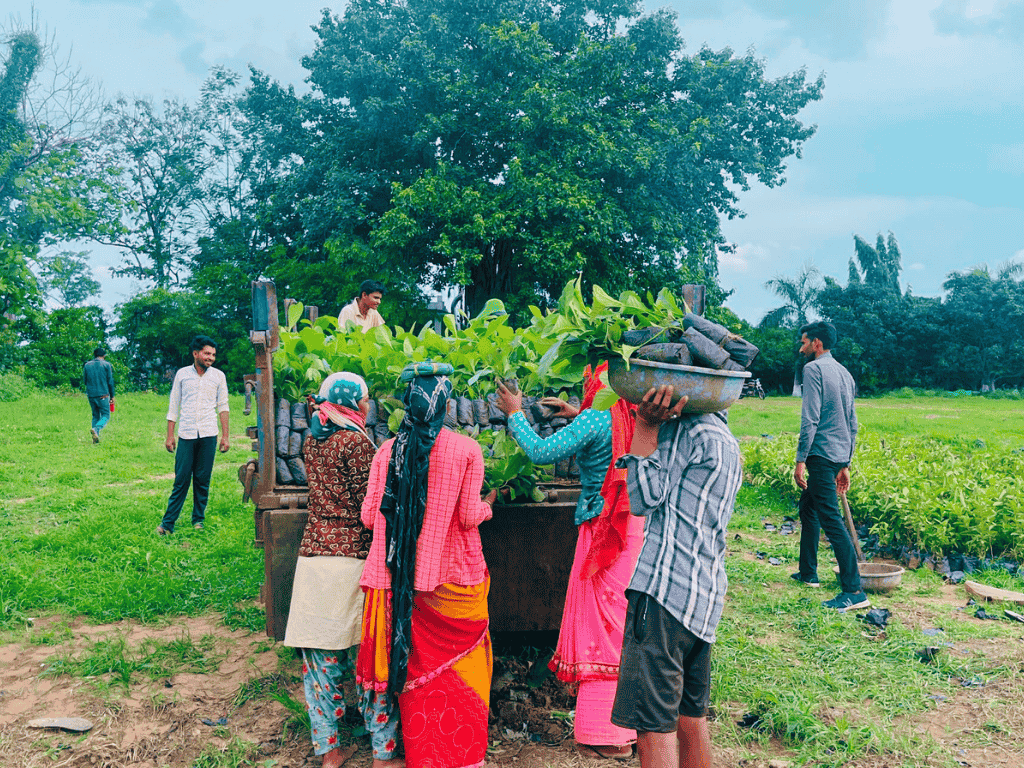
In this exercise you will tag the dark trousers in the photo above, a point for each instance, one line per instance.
(193, 465)
(100, 412)
(819, 510)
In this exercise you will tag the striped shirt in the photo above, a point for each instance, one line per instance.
(828, 421)
(196, 400)
(686, 489)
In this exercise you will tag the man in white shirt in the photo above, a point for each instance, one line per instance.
(363, 310)
(199, 398)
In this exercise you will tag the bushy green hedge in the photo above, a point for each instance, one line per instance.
(936, 495)
(13, 387)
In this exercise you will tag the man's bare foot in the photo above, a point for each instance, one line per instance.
(394, 762)
(605, 752)
(337, 756)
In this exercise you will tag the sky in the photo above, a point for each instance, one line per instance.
(920, 131)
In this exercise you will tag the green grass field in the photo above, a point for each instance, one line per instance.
(1000, 423)
(77, 520)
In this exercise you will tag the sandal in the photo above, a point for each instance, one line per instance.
(605, 752)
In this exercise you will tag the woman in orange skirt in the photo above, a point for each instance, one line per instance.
(425, 655)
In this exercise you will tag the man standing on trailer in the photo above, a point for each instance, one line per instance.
(828, 435)
(199, 398)
(363, 309)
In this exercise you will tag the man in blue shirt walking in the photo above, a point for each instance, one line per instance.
(828, 436)
(99, 388)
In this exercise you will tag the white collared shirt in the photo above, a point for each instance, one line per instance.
(350, 314)
(196, 401)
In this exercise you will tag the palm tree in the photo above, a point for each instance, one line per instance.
(800, 293)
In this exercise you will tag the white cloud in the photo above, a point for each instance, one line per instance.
(1008, 158)
(917, 265)
(740, 259)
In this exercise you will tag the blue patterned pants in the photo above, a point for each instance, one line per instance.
(323, 675)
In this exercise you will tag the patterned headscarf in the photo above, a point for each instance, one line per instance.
(338, 399)
(405, 499)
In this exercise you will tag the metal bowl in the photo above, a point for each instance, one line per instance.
(877, 577)
(709, 390)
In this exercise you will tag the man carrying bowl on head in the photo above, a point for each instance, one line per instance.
(683, 473)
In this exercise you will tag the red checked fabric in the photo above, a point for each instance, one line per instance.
(337, 469)
(448, 550)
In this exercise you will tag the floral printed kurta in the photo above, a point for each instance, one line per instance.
(338, 469)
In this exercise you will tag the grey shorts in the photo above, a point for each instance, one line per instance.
(665, 670)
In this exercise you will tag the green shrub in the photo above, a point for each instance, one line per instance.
(13, 387)
(938, 495)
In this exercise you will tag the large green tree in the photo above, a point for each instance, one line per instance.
(504, 147)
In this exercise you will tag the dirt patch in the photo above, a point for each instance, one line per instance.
(160, 722)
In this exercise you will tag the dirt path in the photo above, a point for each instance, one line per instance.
(227, 678)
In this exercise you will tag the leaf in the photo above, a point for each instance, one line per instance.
(605, 399)
(395, 419)
(295, 314)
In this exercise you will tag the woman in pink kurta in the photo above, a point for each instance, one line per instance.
(609, 542)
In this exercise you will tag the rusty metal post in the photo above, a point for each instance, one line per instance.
(312, 312)
(694, 296)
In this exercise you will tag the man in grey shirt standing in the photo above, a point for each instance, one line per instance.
(99, 388)
(828, 434)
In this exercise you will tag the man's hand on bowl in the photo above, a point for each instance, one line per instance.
(656, 408)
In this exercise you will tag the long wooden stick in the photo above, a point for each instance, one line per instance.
(849, 525)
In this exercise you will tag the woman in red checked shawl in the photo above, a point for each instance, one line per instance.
(325, 618)
(609, 542)
(426, 651)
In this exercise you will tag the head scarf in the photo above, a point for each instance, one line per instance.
(338, 402)
(405, 498)
(611, 527)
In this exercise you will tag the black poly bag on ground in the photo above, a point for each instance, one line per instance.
(299, 422)
(574, 401)
(284, 476)
(676, 354)
(282, 437)
(284, 413)
(297, 467)
(381, 431)
(705, 352)
(371, 414)
(451, 416)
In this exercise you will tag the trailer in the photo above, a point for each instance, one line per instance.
(528, 547)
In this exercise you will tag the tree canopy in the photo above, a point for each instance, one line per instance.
(504, 147)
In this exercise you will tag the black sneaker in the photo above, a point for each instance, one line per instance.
(95, 435)
(848, 601)
(811, 582)
(161, 531)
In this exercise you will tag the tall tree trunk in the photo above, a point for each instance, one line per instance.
(491, 276)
